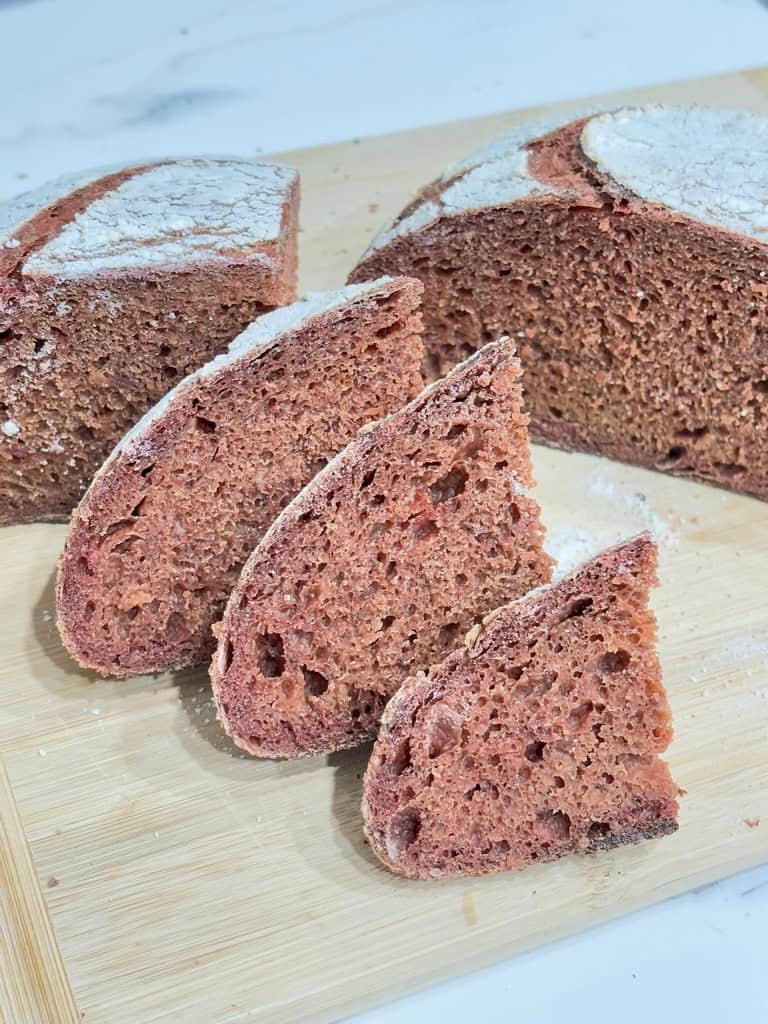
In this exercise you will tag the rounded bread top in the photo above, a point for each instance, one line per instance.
(169, 214)
(708, 164)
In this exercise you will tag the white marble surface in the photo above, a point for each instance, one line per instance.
(88, 82)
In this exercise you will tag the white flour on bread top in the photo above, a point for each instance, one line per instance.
(171, 214)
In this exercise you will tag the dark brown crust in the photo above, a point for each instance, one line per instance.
(342, 529)
(160, 537)
(82, 359)
(588, 711)
(642, 331)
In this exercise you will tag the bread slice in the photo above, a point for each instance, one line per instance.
(538, 739)
(628, 254)
(115, 284)
(381, 564)
(158, 541)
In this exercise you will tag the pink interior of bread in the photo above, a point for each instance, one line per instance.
(160, 540)
(540, 739)
(381, 566)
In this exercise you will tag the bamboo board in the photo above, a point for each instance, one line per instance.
(149, 873)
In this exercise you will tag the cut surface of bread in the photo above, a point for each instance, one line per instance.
(627, 254)
(539, 739)
(159, 539)
(381, 565)
(114, 285)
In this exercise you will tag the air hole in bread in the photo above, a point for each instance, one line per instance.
(147, 470)
(534, 752)
(205, 426)
(598, 830)
(448, 633)
(444, 733)
(403, 832)
(693, 433)
(614, 661)
(729, 470)
(580, 714)
(315, 683)
(576, 608)
(456, 431)
(367, 479)
(226, 653)
(401, 758)
(424, 528)
(554, 824)
(270, 654)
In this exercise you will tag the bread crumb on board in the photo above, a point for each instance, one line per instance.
(52, 881)
(752, 822)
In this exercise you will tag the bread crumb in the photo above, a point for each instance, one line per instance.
(752, 822)
(373, 207)
(52, 882)
(468, 909)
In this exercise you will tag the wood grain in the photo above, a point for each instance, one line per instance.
(198, 885)
(34, 985)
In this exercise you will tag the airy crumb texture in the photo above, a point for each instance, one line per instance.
(159, 539)
(112, 289)
(626, 253)
(540, 739)
(381, 565)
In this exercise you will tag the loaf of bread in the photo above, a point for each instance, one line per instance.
(379, 567)
(159, 539)
(627, 254)
(113, 286)
(538, 739)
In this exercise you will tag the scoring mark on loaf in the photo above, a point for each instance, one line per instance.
(171, 213)
(709, 164)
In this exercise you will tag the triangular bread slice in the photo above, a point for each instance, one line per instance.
(158, 541)
(540, 738)
(377, 569)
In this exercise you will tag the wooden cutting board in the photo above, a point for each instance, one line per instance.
(149, 872)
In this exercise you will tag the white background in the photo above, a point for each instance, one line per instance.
(88, 82)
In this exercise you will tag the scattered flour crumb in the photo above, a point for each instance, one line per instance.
(636, 502)
(570, 546)
(10, 428)
(47, 615)
(42, 752)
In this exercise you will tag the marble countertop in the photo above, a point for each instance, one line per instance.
(88, 83)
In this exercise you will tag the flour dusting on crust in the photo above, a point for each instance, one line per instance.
(16, 212)
(709, 164)
(495, 174)
(173, 214)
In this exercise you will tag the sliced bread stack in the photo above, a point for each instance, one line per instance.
(158, 542)
(376, 570)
